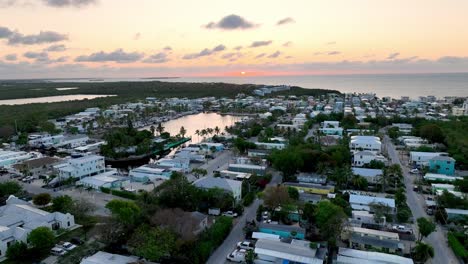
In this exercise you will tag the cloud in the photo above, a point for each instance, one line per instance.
(11, 57)
(285, 21)
(68, 3)
(167, 48)
(334, 52)
(137, 36)
(160, 57)
(238, 48)
(287, 44)
(318, 53)
(232, 56)
(41, 38)
(231, 22)
(261, 55)
(35, 55)
(274, 55)
(5, 32)
(204, 52)
(261, 43)
(331, 43)
(56, 48)
(119, 56)
(393, 55)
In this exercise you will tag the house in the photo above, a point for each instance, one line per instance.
(362, 217)
(270, 146)
(8, 158)
(233, 175)
(178, 162)
(422, 158)
(18, 218)
(200, 222)
(103, 257)
(440, 177)
(364, 202)
(230, 186)
(357, 241)
(371, 175)
(369, 143)
(442, 165)
(72, 141)
(105, 180)
(296, 251)
(455, 215)
(331, 128)
(354, 256)
(248, 168)
(284, 231)
(311, 178)
(403, 128)
(36, 167)
(311, 188)
(361, 158)
(81, 167)
(150, 172)
(258, 153)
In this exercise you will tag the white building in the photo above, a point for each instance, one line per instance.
(422, 158)
(179, 163)
(364, 202)
(371, 175)
(369, 143)
(403, 127)
(460, 111)
(362, 158)
(82, 167)
(297, 251)
(231, 186)
(103, 257)
(72, 141)
(264, 145)
(354, 256)
(8, 158)
(18, 218)
(299, 120)
(108, 179)
(150, 173)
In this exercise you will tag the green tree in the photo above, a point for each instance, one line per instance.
(432, 132)
(330, 219)
(197, 172)
(127, 212)
(152, 243)
(422, 252)
(288, 161)
(425, 227)
(42, 239)
(160, 128)
(293, 193)
(17, 251)
(10, 188)
(393, 132)
(42, 199)
(182, 131)
(63, 204)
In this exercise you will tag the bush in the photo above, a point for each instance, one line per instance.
(105, 190)
(17, 250)
(124, 194)
(42, 199)
(248, 199)
(42, 239)
(456, 246)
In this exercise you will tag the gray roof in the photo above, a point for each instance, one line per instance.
(367, 200)
(348, 255)
(367, 172)
(443, 158)
(376, 242)
(213, 182)
(297, 251)
(277, 227)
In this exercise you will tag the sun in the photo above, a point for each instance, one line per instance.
(242, 73)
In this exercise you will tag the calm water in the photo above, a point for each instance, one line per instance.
(51, 99)
(199, 121)
(394, 85)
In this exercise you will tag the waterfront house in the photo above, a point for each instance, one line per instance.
(284, 231)
(442, 165)
(177, 162)
(9, 158)
(150, 172)
(230, 186)
(81, 167)
(108, 179)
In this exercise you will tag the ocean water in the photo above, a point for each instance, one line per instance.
(394, 85)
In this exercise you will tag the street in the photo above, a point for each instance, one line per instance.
(220, 162)
(237, 232)
(438, 240)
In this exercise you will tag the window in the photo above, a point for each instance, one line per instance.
(68, 223)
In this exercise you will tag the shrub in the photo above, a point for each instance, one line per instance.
(457, 247)
(248, 199)
(42, 199)
(16, 251)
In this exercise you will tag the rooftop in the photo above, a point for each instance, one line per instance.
(292, 252)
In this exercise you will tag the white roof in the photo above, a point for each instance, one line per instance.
(292, 252)
(367, 172)
(367, 200)
(441, 177)
(260, 235)
(456, 211)
(103, 257)
(212, 182)
(353, 256)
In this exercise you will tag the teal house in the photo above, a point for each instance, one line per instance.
(284, 231)
(442, 165)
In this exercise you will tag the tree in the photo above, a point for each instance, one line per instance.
(217, 130)
(197, 172)
(432, 132)
(330, 219)
(422, 252)
(42, 199)
(152, 243)
(127, 212)
(393, 132)
(42, 239)
(152, 129)
(182, 131)
(425, 227)
(63, 204)
(275, 196)
(288, 161)
(10, 188)
(160, 128)
(17, 251)
(293, 193)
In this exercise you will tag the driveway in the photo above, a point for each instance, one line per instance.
(438, 239)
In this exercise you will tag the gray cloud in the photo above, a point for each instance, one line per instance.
(68, 3)
(238, 48)
(167, 48)
(287, 44)
(5, 32)
(56, 48)
(274, 55)
(160, 57)
(232, 56)
(204, 52)
(285, 21)
(137, 36)
(393, 55)
(334, 52)
(331, 43)
(41, 38)
(318, 53)
(11, 57)
(260, 43)
(35, 55)
(119, 56)
(231, 22)
(261, 55)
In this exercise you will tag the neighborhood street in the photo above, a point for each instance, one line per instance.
(438, 240)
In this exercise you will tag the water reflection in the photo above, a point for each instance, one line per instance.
(52, 99)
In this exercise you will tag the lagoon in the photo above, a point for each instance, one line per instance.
(52, 99)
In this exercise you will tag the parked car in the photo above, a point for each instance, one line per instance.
(68, 246)
(58, 251)
(230, 214)
(76, 241)
(430, 211)
(246, 245)
(414, 171)
(237, 255)
(402, 229)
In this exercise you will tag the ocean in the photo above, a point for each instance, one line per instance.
(393, 85)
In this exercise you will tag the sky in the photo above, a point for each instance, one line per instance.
(153, 38)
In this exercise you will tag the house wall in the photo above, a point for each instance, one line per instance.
(442, 167)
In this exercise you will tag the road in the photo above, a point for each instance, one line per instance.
(237, 232)
(442, 252)
(219, 162)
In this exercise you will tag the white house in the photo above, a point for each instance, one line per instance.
(231, 186)
(8, 158)
(265, 145)
(363, 202)
(180, 163)
(72, 141)
(331, 128)
(296, 251)
(354, 256)
(150, 173)
(422, 158)
(108, 179)
(82, 167)
(369, 143)
(371, 175)
(362, 158)
(18, 218)
(103, 257)
(403, 127)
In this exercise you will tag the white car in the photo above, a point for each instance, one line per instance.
(57, 251)
(246, 245)
(230, 214)
(68, 246)
(237, 255)
(414, 171)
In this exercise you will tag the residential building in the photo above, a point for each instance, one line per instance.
(103, 257)
(353, 256)
(297, 252)
(442, 165)
(9, 158)
(361, 158)
(37, 167)
(460, 111)
(258, 153)
(362, 217)
(284, 231)
(364, 202)
(230, 186)
(371, 175)
(422, 158)
(311, 188)
(18, 218)
(455, 215)
(234, 175)
(331, 128)
(440, 177)
(150, 172)
(107, 179)
(270, 146)
(200, 222)
(369, 143)
(178, 162)
(81, 167)
(403, 128)
(248, 168)
(72, 141)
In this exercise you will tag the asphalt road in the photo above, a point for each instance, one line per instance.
(220, 162)
(443, 254)
(237, 232)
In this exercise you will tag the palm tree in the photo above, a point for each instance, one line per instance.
(160, 128)
(152, 129)
(182, 131)
(217, 130)
(197, 132)
(203, 133)
(209, 131)
(422, 252)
